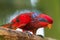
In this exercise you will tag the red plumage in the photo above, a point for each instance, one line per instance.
(25, 21)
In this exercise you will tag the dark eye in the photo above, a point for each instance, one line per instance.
(42, 19)
(17, 20)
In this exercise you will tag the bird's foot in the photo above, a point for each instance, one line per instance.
(29, 34)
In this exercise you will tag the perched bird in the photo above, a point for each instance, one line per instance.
(31, 21)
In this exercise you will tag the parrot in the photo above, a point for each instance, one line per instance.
(30, 21)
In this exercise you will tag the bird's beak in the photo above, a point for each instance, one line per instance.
(49, 26)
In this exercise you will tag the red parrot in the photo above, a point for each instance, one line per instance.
(31, 21)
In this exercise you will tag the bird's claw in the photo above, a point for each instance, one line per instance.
(29, 34)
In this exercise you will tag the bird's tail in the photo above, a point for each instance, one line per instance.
(9, 25)
(5, 25)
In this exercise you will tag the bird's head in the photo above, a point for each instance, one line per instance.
(45, 21)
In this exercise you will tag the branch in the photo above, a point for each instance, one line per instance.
(9, 34)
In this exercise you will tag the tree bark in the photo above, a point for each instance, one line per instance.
(9, 34)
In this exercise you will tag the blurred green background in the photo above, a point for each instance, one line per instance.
(50, 7)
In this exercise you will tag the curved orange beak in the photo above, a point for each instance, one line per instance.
(49, 26)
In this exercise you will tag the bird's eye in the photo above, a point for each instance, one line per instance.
(42, 19)
(17, 20)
